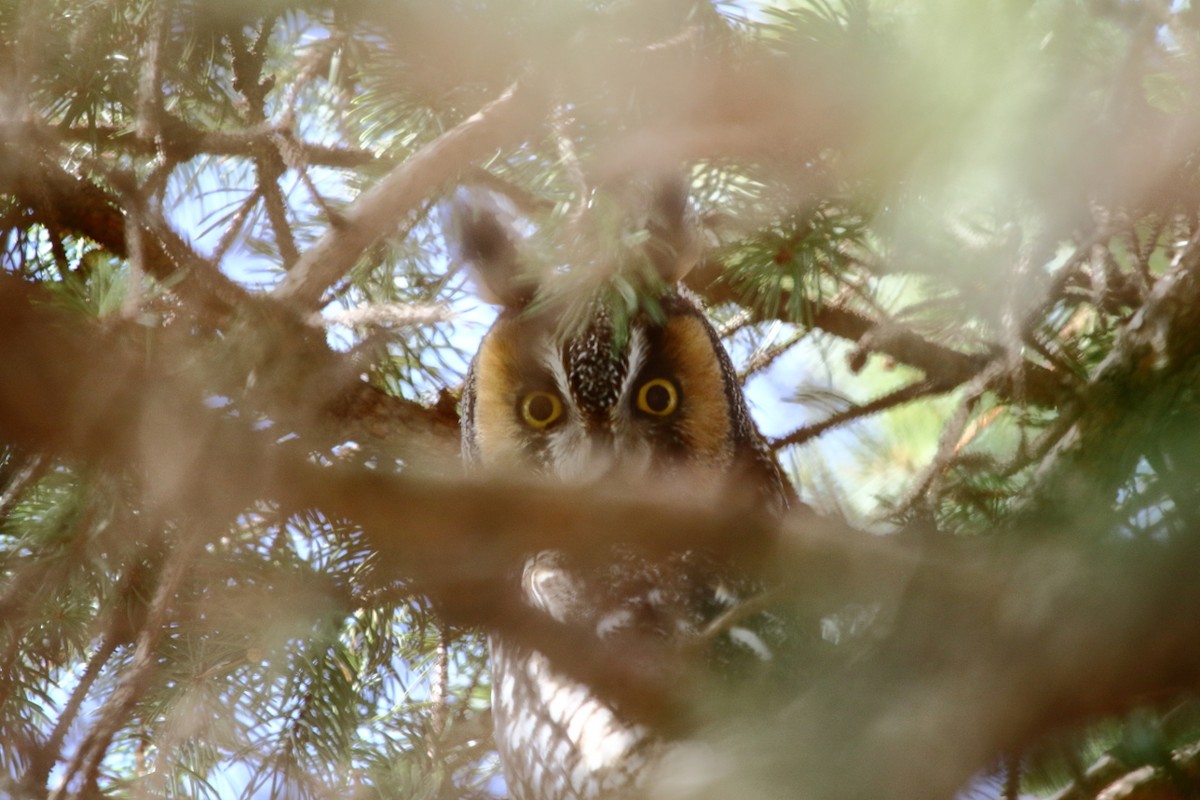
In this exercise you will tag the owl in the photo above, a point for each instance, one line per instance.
(583, 389)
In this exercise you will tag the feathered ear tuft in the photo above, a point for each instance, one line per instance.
(481, 230)
(674, 242)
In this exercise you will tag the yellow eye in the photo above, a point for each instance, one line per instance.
(541, 409)
(658, 397)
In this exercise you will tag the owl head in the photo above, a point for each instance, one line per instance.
(607, 367)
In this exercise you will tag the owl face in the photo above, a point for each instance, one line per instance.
(595, 404)
(651, 398)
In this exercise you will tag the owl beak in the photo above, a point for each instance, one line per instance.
(602, 451)
(601, 438)
(611, 458)
(594, 458)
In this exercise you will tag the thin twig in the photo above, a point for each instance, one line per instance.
(276, 206)
(739, 321)
(1012, 777)
(763, 358)
(50, 753)
(948, 442)
(905, 394)
(132, 302)
(310, 69)
(135, 680)
(1029, 253)
(149, 90)
(386, 315)
(1146, 250)
(943, 364)
(25, 475)
(269, 165)
(439, 692)
(1057, 360)
(1063, 277)
(568, 156)
(293, 157)
(236, 224)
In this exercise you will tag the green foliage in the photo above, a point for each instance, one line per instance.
(789, 269)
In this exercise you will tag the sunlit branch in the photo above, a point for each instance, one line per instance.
(375, 213)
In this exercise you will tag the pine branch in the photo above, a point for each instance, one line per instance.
(50, 753)
(974, 631)
(149, 91)
(1110, 779)
(269, 162)
(949, 441)
(1012, 777)
(942, 365)
(65, 201)
(1131, 391)
(182, 142)
(356, 410)
(135, 680)
(28, 471)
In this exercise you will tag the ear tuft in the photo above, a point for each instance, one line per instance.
(674, 243)
(481, 230)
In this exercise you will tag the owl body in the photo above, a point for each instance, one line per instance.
(651, 400)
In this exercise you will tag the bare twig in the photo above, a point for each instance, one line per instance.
(948, 442)
(149, 91)
(375, 212)
(27, 472)
(386, 315)
(132, 302)
(905, 394)
(236, 224)
(135, 679)
(763, 357)
(439, 694)
(50, 753)
(568, 156)
(1012, 777)
(941, 364)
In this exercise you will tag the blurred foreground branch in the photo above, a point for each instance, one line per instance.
(986, 647)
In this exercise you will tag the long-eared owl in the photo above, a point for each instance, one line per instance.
(641, 395)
